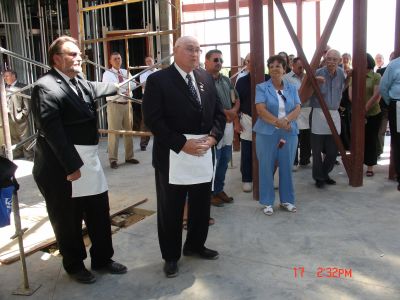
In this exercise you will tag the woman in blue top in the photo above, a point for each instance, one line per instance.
(278, 105)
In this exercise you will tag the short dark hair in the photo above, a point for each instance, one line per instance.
(211, 52)
(296, 59)
(56, 45)
(285, 54)
(370, 62)
(115, 53)
(277, 58)
(12, 72)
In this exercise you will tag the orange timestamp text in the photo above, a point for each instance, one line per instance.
(324, 272)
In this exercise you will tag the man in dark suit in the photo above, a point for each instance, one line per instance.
(67, 169)
(18, 114)
(182, 110)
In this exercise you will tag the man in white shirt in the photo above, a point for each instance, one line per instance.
(119, 113)
(295, 77)
(144, 140)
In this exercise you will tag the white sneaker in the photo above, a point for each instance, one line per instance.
(247, 187)
(268, 210)
(289, 207)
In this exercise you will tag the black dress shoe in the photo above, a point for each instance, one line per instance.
(398, 187)
(83, 276)
(330, 181)
(319, 184)
(132, 161)
(114, 165)
(112, 268)
(204, 253)
(171, 269)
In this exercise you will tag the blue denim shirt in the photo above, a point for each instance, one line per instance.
(331, 90)
(390, 82)
(265, 93)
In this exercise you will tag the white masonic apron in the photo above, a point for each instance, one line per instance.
(398, 115)
(186, 169)
(92, 180)
(227, 139)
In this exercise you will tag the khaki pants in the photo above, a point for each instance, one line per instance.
(119, 117)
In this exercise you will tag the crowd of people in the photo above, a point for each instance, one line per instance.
(193, 114)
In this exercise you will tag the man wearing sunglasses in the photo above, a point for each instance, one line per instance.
(230, 102)
(67, 168)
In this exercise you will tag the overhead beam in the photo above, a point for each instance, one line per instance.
(107, 5)
(220, 5)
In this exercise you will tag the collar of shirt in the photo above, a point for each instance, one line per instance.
(120, 71)
(67, 79)
(183, 74)
(13, 84)
(63, 75)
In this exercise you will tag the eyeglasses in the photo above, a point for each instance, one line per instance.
(192, 50)
(282, 96)
(218, 60)
(332, 59)
(73, 54)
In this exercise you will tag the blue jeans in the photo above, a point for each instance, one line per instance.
(246, 160)
(268, 153)
(224, 155)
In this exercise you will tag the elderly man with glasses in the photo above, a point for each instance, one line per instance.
(182, 110)
(332, 81)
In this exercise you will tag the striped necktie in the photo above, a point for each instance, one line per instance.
(192, 89)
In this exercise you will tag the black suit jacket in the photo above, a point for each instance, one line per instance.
(169, 112)
(63, 120)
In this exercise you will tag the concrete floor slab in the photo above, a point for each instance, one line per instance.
(348, 228)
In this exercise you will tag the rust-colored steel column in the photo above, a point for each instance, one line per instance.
(392, 171)
(317, 22)
(358, 84)
(73, 18)
(271, 28)
(397, 31)
(257, 72)
(299, 13)
(176, 19)
(235, 51)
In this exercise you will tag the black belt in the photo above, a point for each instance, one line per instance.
(116, 102)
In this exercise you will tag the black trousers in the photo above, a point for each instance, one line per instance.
(323, 143)
(394, 137)
(371, 140)
(305, 146)
(170, 203)
(66, 217)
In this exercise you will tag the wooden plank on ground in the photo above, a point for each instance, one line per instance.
(40, 234)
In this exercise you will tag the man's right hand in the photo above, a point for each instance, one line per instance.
(196, 147)
(74, 176)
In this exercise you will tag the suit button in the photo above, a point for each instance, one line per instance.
(202, 124)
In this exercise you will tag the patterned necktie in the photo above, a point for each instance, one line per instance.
(192, 89)
(120, 78)
(75, 84)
